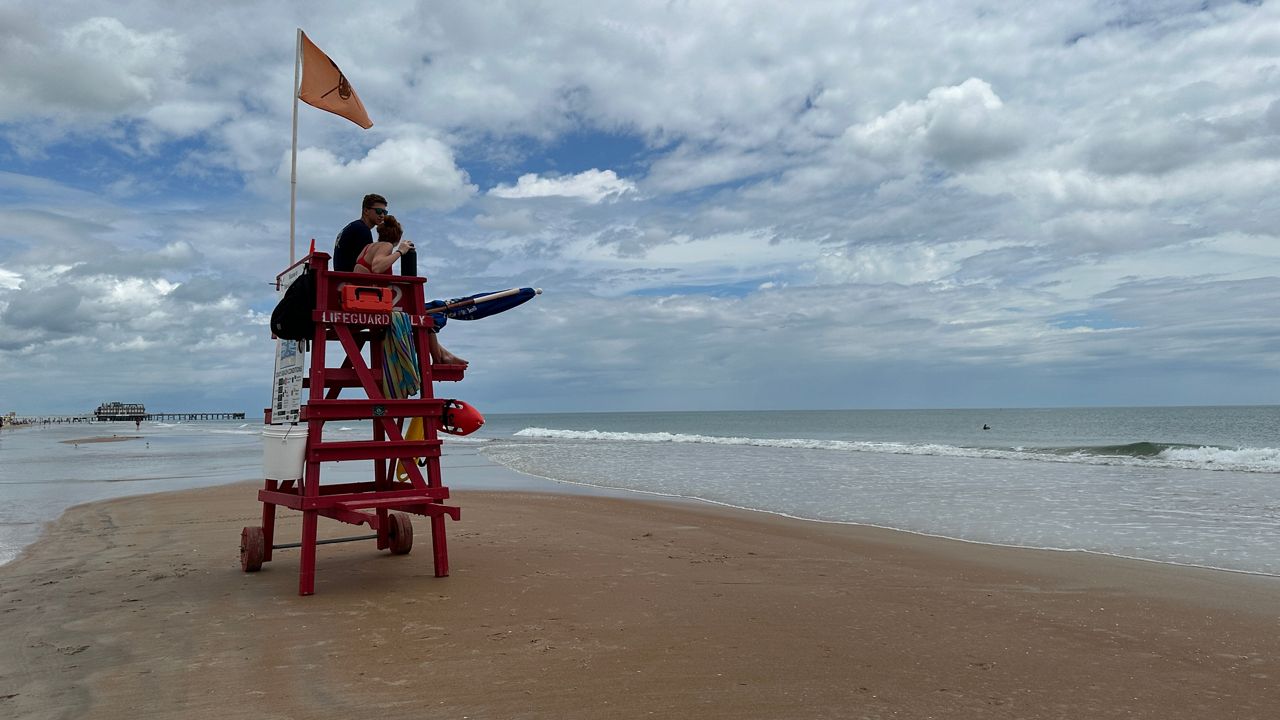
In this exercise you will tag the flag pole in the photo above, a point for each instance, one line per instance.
(293, 170)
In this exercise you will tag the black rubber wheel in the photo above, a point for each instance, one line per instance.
(253, 548)
(401, 533)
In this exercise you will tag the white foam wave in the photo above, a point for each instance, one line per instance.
(1209, 456)
(1264, 460)
(464, 440)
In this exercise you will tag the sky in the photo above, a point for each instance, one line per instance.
(729, 205)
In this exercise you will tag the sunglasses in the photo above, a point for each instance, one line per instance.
(379, 211)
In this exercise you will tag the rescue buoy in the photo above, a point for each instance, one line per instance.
(459, 418)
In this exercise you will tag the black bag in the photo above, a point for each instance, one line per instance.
(291, 320)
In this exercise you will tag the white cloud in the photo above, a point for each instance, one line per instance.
(592, 185)
(1070, 189)
(908, 264)
(689, 169)
(185, 117)
(861, 184)
(519, 221)
(958, 126)
(9, 280)
(98, 65)
(411, 173)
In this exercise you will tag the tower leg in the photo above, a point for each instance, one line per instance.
(269, 522)
(438, 546)
(307, 567)
(384, 537)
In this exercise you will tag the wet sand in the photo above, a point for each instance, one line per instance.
(593, 607)
(101, 439)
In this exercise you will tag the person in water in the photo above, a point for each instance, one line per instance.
(381, 255)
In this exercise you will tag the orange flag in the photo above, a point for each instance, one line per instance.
(324, 86)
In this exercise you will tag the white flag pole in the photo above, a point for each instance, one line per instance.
(293, 171)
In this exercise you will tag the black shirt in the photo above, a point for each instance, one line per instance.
(352, 241)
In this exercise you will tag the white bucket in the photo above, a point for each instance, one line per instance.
(283, 449)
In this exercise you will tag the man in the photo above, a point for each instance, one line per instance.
(358, 234)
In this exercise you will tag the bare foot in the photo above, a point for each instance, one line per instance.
(442, 356)
(447, 358)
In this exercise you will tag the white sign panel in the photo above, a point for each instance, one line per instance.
(286, 278)
(286, 392)
(291, 366)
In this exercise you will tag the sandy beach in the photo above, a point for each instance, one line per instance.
(595, 607)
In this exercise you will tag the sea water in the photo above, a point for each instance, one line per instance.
(46, 469)
(1188, 485)
(1196, 485)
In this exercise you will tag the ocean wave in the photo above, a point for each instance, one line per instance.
(1146, 454)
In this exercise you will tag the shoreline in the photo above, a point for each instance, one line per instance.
(100, 439)
(585, 605)
(516, 481)
(569, 487)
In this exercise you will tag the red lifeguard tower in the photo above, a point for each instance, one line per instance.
(385, 502)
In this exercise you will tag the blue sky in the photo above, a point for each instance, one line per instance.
(737, 205)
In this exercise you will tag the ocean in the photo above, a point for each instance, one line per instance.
(1186, 485)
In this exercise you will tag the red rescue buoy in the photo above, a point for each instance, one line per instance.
(460, 418)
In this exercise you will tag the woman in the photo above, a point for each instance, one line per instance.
(380, 256)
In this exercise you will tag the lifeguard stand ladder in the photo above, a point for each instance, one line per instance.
(384, 504)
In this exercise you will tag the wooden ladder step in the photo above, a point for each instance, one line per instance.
(346, 377)
(366, 408)
(373, 450)
(385, 502)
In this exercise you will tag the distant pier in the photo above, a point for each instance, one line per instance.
(137, 413)
(17, 421)
(195, 416)
(21, 420)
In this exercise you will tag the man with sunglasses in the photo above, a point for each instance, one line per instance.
(358, 234)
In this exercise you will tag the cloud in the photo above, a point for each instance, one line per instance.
(957, 126)
(592, 185)
(519, 221)
(186, 117)
(98, 66)
(412, 173)
(48, 309)
(9, 280)
(899, 197)
(121, 331)
(908, 264)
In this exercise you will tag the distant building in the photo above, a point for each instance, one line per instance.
(120, 411)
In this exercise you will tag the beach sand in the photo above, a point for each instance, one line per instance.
(593, 607)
